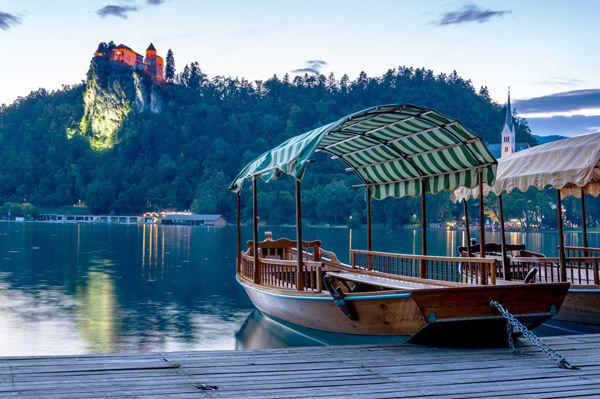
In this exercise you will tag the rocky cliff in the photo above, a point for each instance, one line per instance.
(113, 91)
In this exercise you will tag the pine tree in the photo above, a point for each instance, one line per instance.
(170, 67)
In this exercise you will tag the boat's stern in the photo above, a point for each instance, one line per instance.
(465, 315)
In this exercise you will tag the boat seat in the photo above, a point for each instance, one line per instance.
(383, 281)
(492, 248)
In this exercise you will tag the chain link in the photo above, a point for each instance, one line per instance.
(516, 324)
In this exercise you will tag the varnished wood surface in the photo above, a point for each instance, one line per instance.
(581, 306)
(363, 371)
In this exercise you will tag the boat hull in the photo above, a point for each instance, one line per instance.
(581, 305)
(430, 313)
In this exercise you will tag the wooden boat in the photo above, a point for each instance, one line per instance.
(395, 150)
(572, 167)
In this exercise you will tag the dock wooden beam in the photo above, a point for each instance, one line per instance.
(374, 371)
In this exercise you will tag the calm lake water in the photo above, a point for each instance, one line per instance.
(97, 288)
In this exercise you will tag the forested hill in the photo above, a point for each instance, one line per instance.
(126, 143)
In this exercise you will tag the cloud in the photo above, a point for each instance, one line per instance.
(564, 125)
(561, 82)
(306, 70)
(7, 20)
(314, 66)
(117, 11)
(576, 101)
(155, 2)
(469, 13)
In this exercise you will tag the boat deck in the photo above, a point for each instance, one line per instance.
(364, 371)
(394, 284)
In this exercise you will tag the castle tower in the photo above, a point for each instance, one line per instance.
(508, 132)
(155, 62)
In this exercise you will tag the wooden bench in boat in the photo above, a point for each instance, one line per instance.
(492, 248)
(283, 248)
(384, 282)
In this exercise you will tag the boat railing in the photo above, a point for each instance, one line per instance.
(477, 271)
(579, 270)
(281, 273)
(573, 252)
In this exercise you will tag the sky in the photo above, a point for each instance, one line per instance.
(546, 51)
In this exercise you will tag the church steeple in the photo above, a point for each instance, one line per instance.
(508, 131)
(509, 120)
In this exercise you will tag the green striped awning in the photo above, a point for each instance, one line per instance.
(391, 148)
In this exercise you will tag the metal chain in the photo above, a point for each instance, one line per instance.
(544, 347)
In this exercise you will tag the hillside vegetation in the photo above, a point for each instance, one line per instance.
(126, 143)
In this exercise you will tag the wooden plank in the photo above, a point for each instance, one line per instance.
(359, 371)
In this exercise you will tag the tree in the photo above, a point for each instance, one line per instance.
(170, 66)
(204, 204)
(100, 196)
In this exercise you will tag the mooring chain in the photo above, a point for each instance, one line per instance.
(544, 347)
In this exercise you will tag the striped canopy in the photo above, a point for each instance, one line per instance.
(567, 165)
(391, 148)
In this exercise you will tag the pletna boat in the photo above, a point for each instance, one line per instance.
(395, 150)
(572, 167)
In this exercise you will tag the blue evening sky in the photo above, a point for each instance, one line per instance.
(546, 51)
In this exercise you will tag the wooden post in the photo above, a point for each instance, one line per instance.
(482, 229)
(239, 232)
(561, 238)
(467, 227)
(422, 262)
(319, 279)
(481, 218)
(369, 219)
(584, 220)
(505, 261)
(300, 268)
(255, 232)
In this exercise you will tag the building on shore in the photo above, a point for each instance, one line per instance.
(509, 144)
(194, 220)
(53, 217)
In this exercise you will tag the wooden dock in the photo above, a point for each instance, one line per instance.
(364, 371)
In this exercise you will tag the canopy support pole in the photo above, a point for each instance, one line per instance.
(239, 232)
(481, 218)
(467, 227)
(300, 268)
(505, 261)
(369, 219)
(255, 232)
(422, 262)
(482, 228)
(561, 238)
(583, 219)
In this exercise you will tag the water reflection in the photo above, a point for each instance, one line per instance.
(102, 288)
(260, 332)
(97, 310)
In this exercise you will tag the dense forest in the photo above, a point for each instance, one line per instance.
(183, 150)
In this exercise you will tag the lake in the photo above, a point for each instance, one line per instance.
(68, 288)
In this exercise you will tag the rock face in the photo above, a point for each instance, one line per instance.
(112, 91)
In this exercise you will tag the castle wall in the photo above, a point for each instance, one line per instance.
(159, 68)
(126, 56)
(153, 63)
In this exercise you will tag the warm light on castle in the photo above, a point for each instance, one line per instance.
(153, 63)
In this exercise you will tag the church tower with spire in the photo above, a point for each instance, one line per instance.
(509, 136)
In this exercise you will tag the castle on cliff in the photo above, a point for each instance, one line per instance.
(153, 63)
